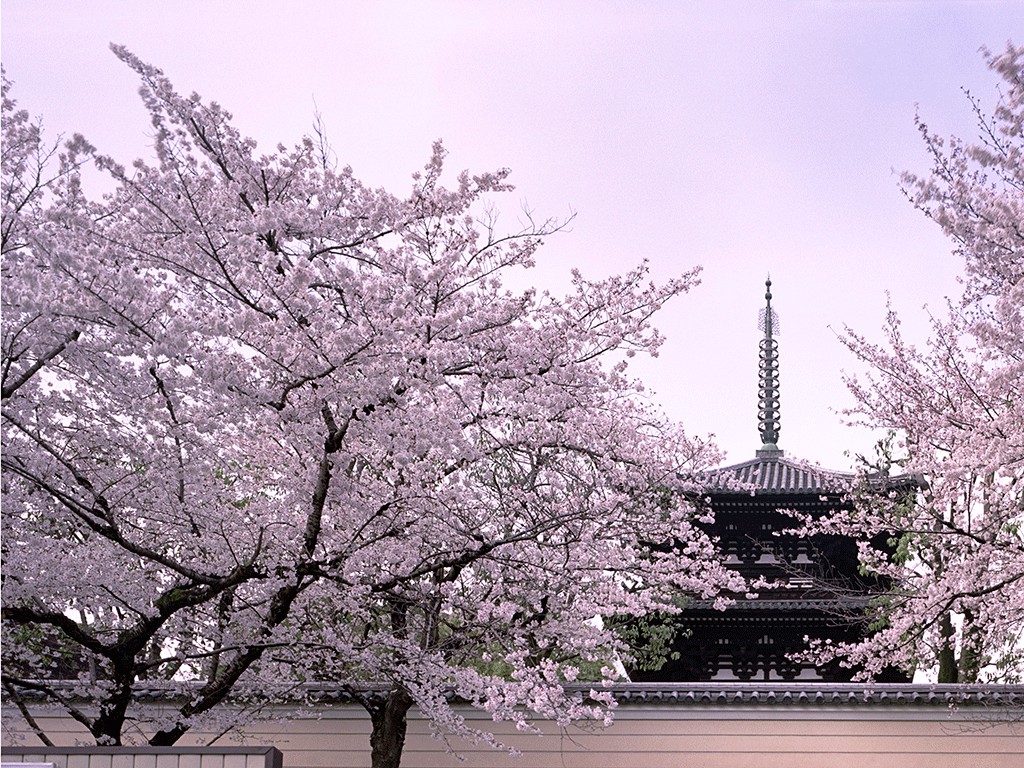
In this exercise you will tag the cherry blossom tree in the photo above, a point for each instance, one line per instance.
(264, 426)
(957, 408)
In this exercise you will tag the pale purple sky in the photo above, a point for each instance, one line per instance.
(748, 137)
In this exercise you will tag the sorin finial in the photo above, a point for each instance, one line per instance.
(768, 396)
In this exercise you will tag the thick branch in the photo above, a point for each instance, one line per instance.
(10, 389)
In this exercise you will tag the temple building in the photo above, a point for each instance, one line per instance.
(817, 591)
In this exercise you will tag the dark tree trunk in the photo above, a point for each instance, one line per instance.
(970, 657)
(948, 672)
(108, 724)
(389, 724)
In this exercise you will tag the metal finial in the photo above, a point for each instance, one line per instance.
(768, 395)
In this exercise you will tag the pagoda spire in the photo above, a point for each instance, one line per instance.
(768, 394)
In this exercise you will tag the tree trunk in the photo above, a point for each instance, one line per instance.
(389, 724)
(947, 651)
(970, 658)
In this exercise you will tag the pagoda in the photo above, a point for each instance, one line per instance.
(818, 591)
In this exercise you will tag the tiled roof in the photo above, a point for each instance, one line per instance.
(756, 694)
(746, 694)
(776, 475)
(775, 692)
(819, 693)
(828, 605)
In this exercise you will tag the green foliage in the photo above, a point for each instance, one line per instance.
(650, 639)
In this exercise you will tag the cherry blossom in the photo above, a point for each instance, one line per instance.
(264, 426)
(956, 408)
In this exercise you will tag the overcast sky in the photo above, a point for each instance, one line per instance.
(747, 137)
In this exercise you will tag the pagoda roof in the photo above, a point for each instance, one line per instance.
(774, 474)
(834, 606)
(770, 473)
